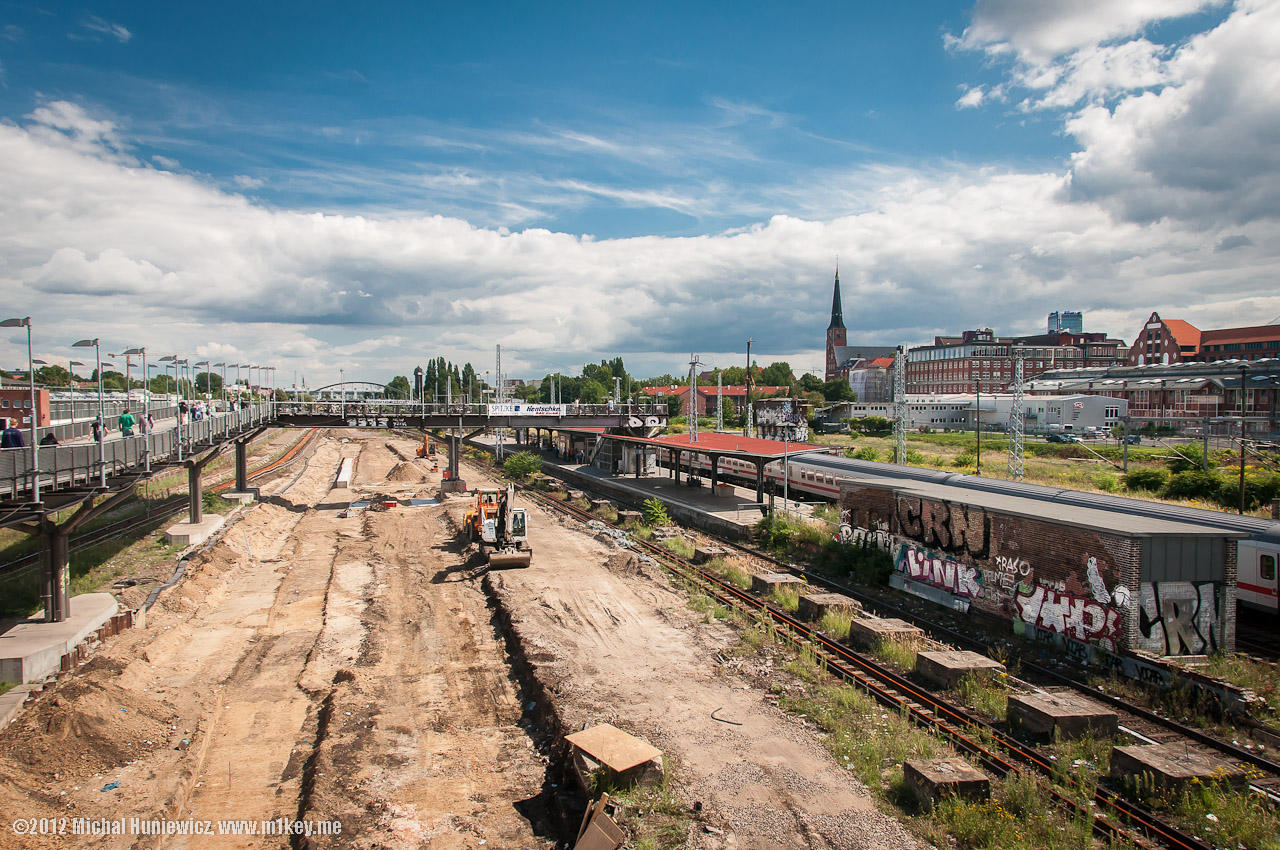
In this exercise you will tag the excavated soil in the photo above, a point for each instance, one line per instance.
(357, 669)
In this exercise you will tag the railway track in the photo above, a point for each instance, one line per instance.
(1112, 817)
(165, 509)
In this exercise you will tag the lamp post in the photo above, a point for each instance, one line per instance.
(222, 395)
(175, 361)
(236, 366)
(146, 404)
(977, 425)
(1244, 376)
(35, 412)
(102, 418)
(71, 380)
(342, 389)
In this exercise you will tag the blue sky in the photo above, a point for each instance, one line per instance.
(314, 185)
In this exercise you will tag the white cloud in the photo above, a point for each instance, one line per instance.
(95, 24)
(244, 181)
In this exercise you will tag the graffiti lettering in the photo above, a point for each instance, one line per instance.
(921, 565)
(1080, 617)
(959, 529)
(1179, 618)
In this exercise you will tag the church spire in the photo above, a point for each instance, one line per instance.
(837, 316)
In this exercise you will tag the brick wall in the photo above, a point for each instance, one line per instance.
(1080, 583)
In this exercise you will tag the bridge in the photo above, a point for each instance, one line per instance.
(39, 482)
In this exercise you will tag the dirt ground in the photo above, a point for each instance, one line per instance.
(318, 667)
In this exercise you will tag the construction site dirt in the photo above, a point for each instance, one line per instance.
(321, 672)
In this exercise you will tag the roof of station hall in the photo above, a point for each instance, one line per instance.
(719, 443)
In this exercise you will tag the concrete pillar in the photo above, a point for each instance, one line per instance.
(55, 585)
(242, 466)
(715, 463)
(759, 481)
(676, 465)
(195, 494)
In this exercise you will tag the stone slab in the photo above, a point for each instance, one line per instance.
(577, 494)
(625, 517)
(871, 631)
(248, 497)
(33, 649)
(765, 582)
(600, 504)
(814, 605)
(931, 780)
(1066, 716)
(346, 470)
(1172, 765)
(194, 533)
(947, 668)
(702, 554)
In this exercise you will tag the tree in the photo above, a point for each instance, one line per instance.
(591, 392)
(112, 380)
(53, 376)
(777, 375)
(811, 383)
(162, 385)
(399, 387)
(208, 382)
(836, 390)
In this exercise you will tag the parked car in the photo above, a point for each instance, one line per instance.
(1133, 439)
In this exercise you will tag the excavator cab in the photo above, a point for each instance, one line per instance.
(499, 528)
(428, 447)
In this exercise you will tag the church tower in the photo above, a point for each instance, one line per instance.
(837, 336)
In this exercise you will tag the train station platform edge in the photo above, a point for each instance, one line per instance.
(32, 649)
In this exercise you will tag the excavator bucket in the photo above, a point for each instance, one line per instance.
(510, 559)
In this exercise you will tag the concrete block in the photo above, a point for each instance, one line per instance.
(1173, 765)
(765, 582)
(577, 494)
(554, 486)
(600, 504)
(453, 485)
(1067, 715)
(34, 649)
(246, 498)
(194, 533)
(814, 605)
(625, 517)
(871, 631)
(346, 470)
(946, 669)
(931, 780)
(702, 554)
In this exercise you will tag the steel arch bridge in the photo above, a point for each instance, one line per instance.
(360, 389)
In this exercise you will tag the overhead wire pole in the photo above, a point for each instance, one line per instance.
(899, 407)
(1017, 420)
(719, 402)
(692, 412)
(501, 433)
(746, 418)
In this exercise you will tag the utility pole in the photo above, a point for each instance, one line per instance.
(719, 402)
(501, 433)
(1017, 419)
(977, 427)
(900, 407)
(746, 419)
(692, 412)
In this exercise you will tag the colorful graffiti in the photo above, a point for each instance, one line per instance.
(1179, 618)
(959, 529)
(919, 564)
(1080, 617)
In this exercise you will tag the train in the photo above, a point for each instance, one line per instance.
(819, 476)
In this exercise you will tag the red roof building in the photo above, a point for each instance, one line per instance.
(1167, 341)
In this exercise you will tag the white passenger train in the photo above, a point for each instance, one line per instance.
(820, 476)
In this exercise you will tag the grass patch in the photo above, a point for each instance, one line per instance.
(836, 622)
(1261, 677)
(786, 597)
(679, 546)
(656, 817)
(985, 692)
(899, 653)
(5, 687)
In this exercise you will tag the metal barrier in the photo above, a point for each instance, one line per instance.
(82, 464)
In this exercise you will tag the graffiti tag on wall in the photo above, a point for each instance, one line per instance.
(1179, 618)
(959, 529)
(1080, 617)
(919, 564)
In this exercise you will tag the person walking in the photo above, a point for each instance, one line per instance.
(10, 437)
(126, 423)
(97, 429)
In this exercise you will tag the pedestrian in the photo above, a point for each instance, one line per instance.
(182, 412)
(151, 424)
(97, 428)
(126, 423)
(10, 437)
(49, 440)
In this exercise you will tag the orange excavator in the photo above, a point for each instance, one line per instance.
(499, 528)
(428, 447)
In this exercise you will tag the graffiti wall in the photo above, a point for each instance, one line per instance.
(1180, 618)
(1046, 577)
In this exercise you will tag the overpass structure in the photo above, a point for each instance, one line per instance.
(39, 484)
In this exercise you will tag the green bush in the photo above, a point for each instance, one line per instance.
(864, 453)
(913, 458)
(1193, 484)
(1151, 480)
(1105, 481)
(965, 459)
(655, 513)
(1259, 489)
(1186, 458)
(521, 465)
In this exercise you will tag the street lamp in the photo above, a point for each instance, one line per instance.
(223, 387)
(146, 404)
(342, 404)
(173, 360)
(35, 412)
(1244, 376)
(71, 381)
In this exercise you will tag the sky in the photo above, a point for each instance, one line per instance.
(320, 186)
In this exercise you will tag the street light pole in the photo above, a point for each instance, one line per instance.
(35, 412)
(102, 418)
(1244, 376)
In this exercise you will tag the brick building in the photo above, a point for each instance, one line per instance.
(735, 393)
(842, 357)
(1163, 342)
(1088, 579)
(15, 405)
(978, 359)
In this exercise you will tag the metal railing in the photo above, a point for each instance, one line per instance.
(83, 464)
